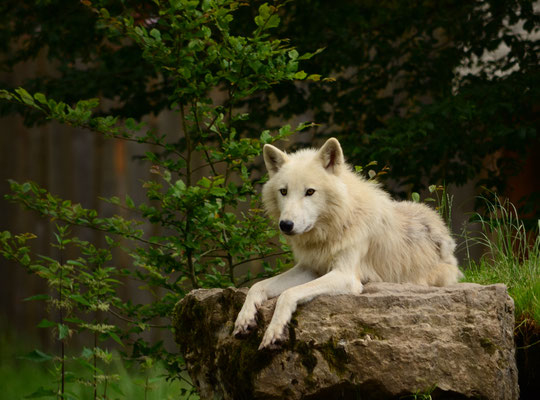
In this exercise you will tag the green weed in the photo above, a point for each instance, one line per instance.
(20, 379)
(512, 257)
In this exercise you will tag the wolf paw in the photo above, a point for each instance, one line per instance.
(273, 337)
(244, 325)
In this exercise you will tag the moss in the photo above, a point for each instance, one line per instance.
(364, 331)
(307, 358)
(237, 362)
(335, 356)
(303, 349)
(188, 321)
(488, 346)
(310, 382)
(239, 365)
(240, 361)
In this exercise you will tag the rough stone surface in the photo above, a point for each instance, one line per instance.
(391, 341)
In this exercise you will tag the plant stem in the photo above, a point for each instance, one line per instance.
(62, 346)
(189, 172)
(146, 387)
(95, 365)
(191, 268)
(231, 268)
(135, 322)
(189, 148)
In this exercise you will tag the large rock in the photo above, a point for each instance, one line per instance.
(391, 341)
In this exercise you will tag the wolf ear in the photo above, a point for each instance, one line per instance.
(331, 155)
(274, 158)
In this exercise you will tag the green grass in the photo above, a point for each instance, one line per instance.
(512, 257)
(20, 378)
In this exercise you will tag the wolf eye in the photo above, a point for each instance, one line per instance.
(309, 192)
(283, 192)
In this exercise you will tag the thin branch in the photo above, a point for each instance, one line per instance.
(119, 316)
(209, 165)
(98, 228)
(94, 129)
(197, 123)
(259, 258)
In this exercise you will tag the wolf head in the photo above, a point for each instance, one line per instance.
(302, 185)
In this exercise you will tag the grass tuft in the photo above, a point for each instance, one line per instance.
(512, 257)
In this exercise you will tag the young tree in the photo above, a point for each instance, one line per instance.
(209, 226)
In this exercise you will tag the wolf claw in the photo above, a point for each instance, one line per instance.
(244, 329)
(244, 324)
(273, 338)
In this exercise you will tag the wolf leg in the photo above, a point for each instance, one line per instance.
(334, 282)
(266, 289)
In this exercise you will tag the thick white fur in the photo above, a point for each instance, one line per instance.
(347, 232)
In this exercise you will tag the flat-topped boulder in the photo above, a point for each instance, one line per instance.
(392, 341)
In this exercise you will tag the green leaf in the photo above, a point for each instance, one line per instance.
(307, 56)
(40, 97)
(87, 353)
(4, 94)
(116, 387)
(293, 54)
(45, 323)
(26, 187)
(86, 364)
(63, 331)
(129, 202)
(76, 263)
(415, 197)
(300, 75)
(116, 338)
(25, 96)
(266, 137)
(264, 13)
(273, 21)
(38, 297)
(80, 299)
(155, 34)
(36, 356)
(74, 320)
(42, 392)
(205, 182)
(104, 13)
(284, 131)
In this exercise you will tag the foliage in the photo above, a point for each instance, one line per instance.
(69, 35)
(412, 81)
(81, 286)
(208, 217)
(18, 376)
(512, 257)
(412, 87)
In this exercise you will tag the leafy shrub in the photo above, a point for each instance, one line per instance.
(208, 227)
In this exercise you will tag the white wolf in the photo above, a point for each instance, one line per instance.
(344, 231)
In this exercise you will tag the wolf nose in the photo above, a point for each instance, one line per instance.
(286, 226)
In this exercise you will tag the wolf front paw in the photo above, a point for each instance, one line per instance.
(245, 324)
(273, 337)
